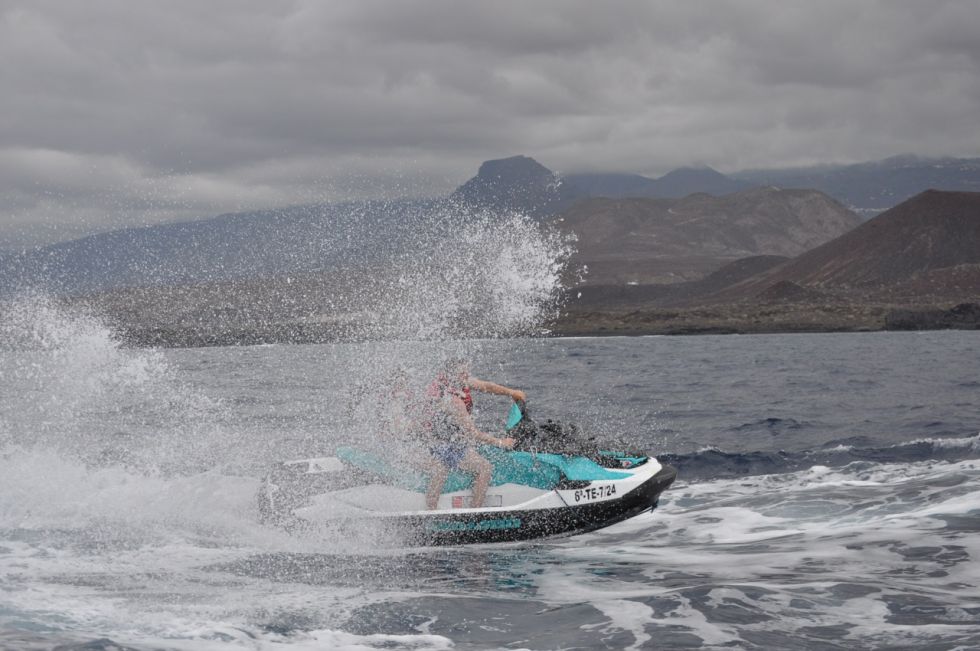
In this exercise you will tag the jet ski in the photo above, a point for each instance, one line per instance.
(554, 482)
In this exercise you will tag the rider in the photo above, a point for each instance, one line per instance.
(453, 429)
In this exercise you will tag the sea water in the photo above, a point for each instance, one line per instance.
(828, 497)
(828, 493)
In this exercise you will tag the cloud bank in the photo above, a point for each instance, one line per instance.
(115, 113)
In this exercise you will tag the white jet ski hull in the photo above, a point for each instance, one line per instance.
(511, 512)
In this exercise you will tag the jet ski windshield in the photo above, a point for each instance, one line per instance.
(514, 416)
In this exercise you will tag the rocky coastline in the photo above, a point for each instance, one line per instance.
(716, 320)
(782, 319)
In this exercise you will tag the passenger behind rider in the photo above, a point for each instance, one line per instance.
(453, 430)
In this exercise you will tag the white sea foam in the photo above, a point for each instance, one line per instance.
(87, 553)
(629, 616)
(883, 534)
(65, 376)
(970, 442)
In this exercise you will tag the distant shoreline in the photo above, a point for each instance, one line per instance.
(797, 319)
(770, 319)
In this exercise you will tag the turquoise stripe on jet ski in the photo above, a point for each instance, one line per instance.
(517, 468)
(541, 470)
(575, 468)
(506, 470)
(403, 478)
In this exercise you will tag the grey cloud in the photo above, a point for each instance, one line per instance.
(115, 112)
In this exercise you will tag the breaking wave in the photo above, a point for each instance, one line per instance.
(67, 379)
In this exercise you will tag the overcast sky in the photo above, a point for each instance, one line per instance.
(122, 112)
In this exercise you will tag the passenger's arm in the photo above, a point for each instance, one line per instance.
(490, 387)
(458, 410)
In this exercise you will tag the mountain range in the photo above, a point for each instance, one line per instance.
(762, 246)
(642, 241)
(902, 252)
(291, 240)
(626, 240)
(921, 256)
(873, 187)
(521, 183)
(323, 237)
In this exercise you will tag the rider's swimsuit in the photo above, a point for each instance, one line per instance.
(450, 447)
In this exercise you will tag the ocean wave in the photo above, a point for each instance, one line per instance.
(714, 463)
(774, 425)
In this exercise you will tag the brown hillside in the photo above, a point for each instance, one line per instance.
(592, 297)
(933, 230)
(668, 240)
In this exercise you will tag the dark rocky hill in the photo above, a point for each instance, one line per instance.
(516, 184)
(965, 316)
(930, 242)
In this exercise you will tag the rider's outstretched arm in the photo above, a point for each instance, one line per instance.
(463, 418)
(498, 389)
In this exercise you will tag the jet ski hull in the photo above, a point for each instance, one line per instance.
(509, 525)
(572, 507)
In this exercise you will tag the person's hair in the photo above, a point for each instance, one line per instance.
(453, 365)
(450, 370)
